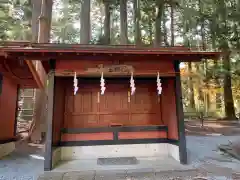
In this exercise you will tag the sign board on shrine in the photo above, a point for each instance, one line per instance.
(111, 69)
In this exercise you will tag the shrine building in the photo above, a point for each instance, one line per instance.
(110, 101)
(15, 73)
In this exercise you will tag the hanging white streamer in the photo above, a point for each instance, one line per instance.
(132, 85)
(75, 84)
(102, 84)
(159, 85)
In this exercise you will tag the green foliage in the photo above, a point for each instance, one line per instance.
(15, 20)
(212, 23)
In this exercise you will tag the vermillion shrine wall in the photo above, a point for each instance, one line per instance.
(59, 108)
(8, 102)
(73, 112)
(89, 110)
(144, 67)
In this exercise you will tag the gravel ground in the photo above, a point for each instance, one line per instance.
(204, 159)
(205, 150)
(26, 162)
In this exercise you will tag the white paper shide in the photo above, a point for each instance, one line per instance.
(102, 84)
(132, 85)
(159, 85)
(75, 84)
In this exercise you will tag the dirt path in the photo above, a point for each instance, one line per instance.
(140, 174)
(226, 128)
(27, 162)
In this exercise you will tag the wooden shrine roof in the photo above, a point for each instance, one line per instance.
(38, 51)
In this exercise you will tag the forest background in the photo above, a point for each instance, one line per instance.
(210, 87)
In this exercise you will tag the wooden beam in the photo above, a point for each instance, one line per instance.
(50, 106)
(136, 74)
(44, 54)
(180, 115)
(35, 74)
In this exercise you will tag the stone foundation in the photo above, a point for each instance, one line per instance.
(6, 148)
(56, 156)
(108, 151)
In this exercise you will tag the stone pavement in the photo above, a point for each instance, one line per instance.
(202, 153)
(210, 173)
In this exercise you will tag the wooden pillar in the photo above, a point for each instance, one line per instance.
(49, 117)
(16, 110)
(180, 115)
(1, 83)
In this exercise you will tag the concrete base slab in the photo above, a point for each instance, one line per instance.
(124, 150)
(110, 175)
(161, 164)
(141, 175)
(117, 161)
(79, 175)
(51, 175)
(194, 174)
(6, 148)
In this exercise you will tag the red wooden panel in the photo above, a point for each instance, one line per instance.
(144, 67)
(89, 109)
(169, 113)
(18, 71)
(8, 100)
(145, 104)
(142, 135)
(87, 136)
(58, 110)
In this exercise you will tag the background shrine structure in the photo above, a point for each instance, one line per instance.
(89, 125)
(15, 74)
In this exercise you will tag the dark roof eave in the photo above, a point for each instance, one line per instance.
(197, 55)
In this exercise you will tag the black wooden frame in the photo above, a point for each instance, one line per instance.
(8, 140)
(180, 115)
(50, 146)
(115, 131)
(50, 106)
(118, 142)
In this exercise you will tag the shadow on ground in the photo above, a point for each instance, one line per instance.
(204, 160)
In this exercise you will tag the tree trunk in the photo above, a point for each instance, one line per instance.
(49, 4)
(137, 17)
(190, 79)
(228, 97)
(205, 63)
(165, 39)
(45, 22)
(199, 86)
(172, 23)
(216, 77)
(150, 29)
(190, 86)
(35, 129)
(36, 11)
(224, 46)
(113, 21)
(214, 28)
(238, 25)
(123, 22)
(85, 22)
(107, 19)
(39, 124)
(64, 36)
(158, 23)
(40, 97)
